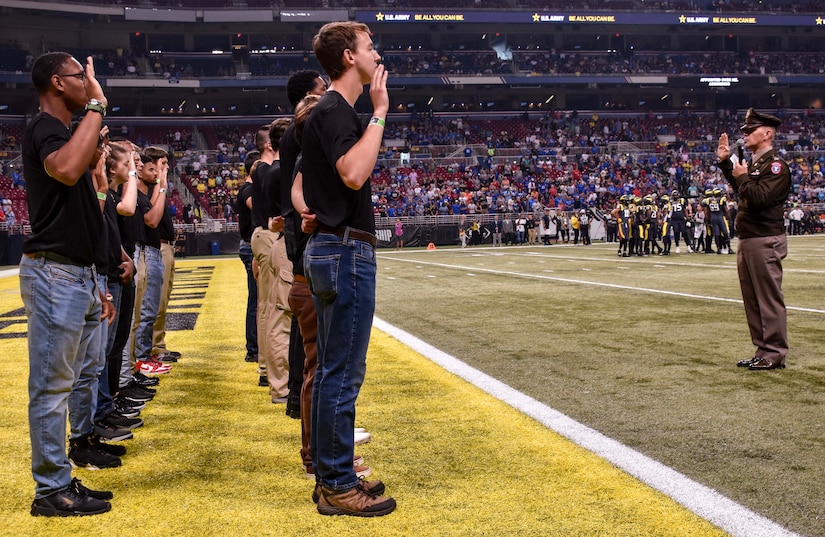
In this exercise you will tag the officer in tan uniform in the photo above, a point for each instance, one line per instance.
(762, 186)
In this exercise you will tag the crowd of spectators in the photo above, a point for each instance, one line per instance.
(561, 160)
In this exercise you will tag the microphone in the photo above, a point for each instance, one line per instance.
(740, 148)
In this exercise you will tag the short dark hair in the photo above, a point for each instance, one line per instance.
(45, 66)
(332, 40)
(249, 160)
(155, 153)
(299, 84)
(261, 137)
(276, 132)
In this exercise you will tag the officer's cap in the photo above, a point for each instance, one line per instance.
(755, 119)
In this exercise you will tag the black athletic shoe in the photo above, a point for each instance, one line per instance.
(96, 494)
(111, 449)
(124, 408)
(139, 388)
(143, 380)
(133, 394)
(69, 502)
(110, 432)
(123, 422)
(84, 454)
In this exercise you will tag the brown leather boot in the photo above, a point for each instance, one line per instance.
(375, 487)
(357, 501)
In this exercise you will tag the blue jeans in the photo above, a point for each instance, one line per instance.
(63, 310)
(151, 301)
(245, 253)
(341, 274)
(105, 404)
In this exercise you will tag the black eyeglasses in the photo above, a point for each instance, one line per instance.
(81, 75)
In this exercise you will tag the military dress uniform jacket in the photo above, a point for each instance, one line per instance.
(762, 195)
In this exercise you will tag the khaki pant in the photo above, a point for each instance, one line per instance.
(274, 313)
(759, 261)
(167, 253)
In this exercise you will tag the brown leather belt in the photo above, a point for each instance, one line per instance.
(299, 278)
(345, 231)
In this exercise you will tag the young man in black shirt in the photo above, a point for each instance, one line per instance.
(339, 156)
(151, 203)
(243, 208)
(64, 304)
(166, 231)
(274, 315)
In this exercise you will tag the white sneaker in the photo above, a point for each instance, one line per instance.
(362, 438)
(678, 250)
(360, 430)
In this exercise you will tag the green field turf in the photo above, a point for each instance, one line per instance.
(642, 350)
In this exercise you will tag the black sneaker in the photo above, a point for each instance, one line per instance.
(69, 502)
(263, 381)
(96, 494)
(141, 389)
(166, 357)
(130, 409)
(143, 380)
(111, 433)
(123, 422)
(251, 358)
(84, 454)
(125, 411)
(129, 392)
(111, 449)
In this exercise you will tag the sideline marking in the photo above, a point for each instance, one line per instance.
(697, 498)
(586, 282)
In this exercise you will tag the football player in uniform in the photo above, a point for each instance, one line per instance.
(652, 244)
(622, 215)
(680, 212)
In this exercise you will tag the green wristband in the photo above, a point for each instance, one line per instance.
(377, 121)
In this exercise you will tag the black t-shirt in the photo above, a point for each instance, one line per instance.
(290, 149)
(124, 227)
(260, 215)
(244, 213)
(331, 130)
(166, 229)
(151, 236)
(109, 255)
(272, 189)
(66, 220)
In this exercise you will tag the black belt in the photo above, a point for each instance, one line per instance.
(51, 256)
(346, 231)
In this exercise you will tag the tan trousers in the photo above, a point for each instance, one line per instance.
(759, 261)
(140, 290)
(167, 253)
(274, 313)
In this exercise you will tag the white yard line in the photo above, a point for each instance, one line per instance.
(701, 500)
